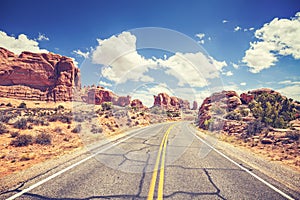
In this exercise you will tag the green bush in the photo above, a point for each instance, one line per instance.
(273, 110)
(254, 127)
(22, 140)
(106, 106)
(96, 129)
(43, 139)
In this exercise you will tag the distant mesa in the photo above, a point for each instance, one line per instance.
(38, 76)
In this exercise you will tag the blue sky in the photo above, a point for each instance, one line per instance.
(252, 44)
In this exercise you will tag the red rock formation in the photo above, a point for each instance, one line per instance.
(165, 101)
(38, 76)
(195, 105)
(99, 95)
(246, 98)
(215, 105)
(250, 95)
(122, 101)
(136, 103)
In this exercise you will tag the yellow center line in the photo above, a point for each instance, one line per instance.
(161, 154)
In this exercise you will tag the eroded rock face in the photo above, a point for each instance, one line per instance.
(165, 101)
(136, 103)
(215, 106)
(100, 95)
(38, 76)
(195, 105)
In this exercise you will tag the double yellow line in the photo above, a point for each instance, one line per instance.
(160, 159)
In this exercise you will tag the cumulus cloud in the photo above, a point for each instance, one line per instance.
(121, 60)
(292, 91)
(82, 54)
(42, 37)
(280, 37)
(193, 69)
(289, 82)
(20, 43)
(243, 84)
(237, 28)
(105, 84)
(251, 29)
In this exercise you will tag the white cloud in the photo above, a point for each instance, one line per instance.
(243, 84)
(225, 21)
(251, 29)
(122, 62)
(193, 69)
(245, 29)
(19, 44)
(82, 54)
(105, 84)
(209, 38)
(291, 92)
(42, 37)
(235, 66)
(200, 35)
(228, 73)
(237, 28)
(289, 82)
(280, 37)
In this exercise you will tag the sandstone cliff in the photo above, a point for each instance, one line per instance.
(38, 76)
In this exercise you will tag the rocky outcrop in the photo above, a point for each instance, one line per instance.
(214, 108)
(250, 95)
(99, 95)
(38, 76)
(195, 105)
(138, 104)
(170, 103)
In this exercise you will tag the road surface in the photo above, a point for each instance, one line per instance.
(163, 161)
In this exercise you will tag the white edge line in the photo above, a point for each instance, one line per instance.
(245, 169)
(70, 167)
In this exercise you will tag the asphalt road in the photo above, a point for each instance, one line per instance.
(161, 161)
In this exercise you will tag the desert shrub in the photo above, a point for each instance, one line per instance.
(64, 118)
(22, 105)
(9, 104)
(60, 107)
(14, 134)
(22, 140)
(96, 129)
(233, 116)
(3, 128)
(254, 127)
(77, 129)
(106, 106)
(43, 139)
(21, 123)
(79, 118)
(6, 117)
